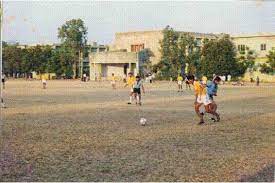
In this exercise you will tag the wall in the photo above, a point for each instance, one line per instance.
(105, 63)
(150, 39)
(254, 43)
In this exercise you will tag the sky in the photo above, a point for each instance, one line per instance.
(37, 22)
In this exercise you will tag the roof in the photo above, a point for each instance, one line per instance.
(195, 34)
(259, 34)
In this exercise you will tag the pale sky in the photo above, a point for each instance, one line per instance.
(37, 21)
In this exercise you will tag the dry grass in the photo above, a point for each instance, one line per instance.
(76, 131)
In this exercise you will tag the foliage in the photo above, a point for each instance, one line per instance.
(177, 50)
(269, 68)
(73, 35)
(219, 57)
(265, 68)
(145, 66)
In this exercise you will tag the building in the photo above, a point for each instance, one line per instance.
(261, 44)
(123, 57)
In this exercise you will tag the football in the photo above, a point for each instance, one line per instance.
(143, 121)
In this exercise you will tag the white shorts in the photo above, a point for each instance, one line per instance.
(179, 82)
(113, 82)
(44, 81)
(203, 99)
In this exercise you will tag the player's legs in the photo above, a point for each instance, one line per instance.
(131, 97)
(197, 110)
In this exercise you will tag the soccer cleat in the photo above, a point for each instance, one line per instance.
(218, 118)
(201, 123)
(129, 103)
(213, 119)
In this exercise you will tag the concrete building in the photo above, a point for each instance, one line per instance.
(261, 44)
(103, 64)
(123, 54)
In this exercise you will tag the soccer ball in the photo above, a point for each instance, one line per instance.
(143, 121)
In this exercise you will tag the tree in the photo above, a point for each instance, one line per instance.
(73, 34)
(269, 68)
(219, 57)
(12, 60)
(62, 61)
(145, 66)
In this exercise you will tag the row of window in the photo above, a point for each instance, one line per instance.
(242, 47)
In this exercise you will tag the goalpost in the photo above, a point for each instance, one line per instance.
(1, 52)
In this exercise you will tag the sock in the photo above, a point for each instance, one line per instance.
(130, 99)
(138, 100)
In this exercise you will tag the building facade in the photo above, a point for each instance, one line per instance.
(261, 44)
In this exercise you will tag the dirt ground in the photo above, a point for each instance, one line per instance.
(76, 131)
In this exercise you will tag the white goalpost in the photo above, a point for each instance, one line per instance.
(1, 53)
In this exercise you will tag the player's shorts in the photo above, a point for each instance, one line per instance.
(131, 90)
(179, 82)
(44, 81)
(204, 99)
(113, 82)
(211, 97)
(137, 90)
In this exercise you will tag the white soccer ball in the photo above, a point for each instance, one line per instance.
(142, 121)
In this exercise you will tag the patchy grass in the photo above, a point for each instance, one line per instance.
(77, 131)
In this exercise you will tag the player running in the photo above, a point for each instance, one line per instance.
(180, 80)
(130, 82)
(201, 98)
(212, 88)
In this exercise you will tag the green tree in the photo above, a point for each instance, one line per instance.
(271, 60)
(219, 57)
(12, 60)
(62, 61)
(73, 34)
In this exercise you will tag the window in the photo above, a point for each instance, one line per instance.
(137, 47)
(241, 47)
(263, 47)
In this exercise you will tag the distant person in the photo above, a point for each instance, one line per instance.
(124, 78)
(180, 80)
(3, 81)
(257, 81)
(130, 83)
(187, 84)
(44, 81)
(228, 77)
(138, 85)
(113, 81)
(84, 77)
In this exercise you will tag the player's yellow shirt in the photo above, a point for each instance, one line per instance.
(131, 81)
(180, 78)
(199, 89)
(113, 78)
(43, 77)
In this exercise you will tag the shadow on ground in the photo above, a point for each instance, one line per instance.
(265, 175)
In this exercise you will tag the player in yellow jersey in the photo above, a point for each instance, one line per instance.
(113, 81)
(44, 81)
(200, 97)
(180, 80)
(130, 83)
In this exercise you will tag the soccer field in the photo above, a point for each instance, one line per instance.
(76, 131)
